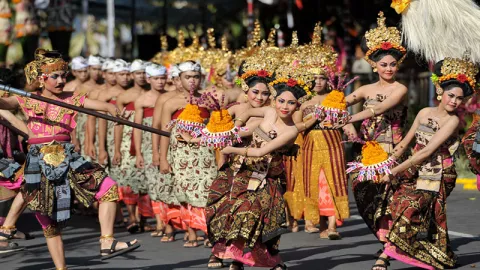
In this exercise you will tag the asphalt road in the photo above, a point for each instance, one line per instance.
(299, 250)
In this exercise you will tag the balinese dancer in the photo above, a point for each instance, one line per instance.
(144, 107)
(192, 167)
(87, 123)
(383, 118)
(134, 185)
(418, 234)
(54, 171)
(319, 192)
(79, 68)
(246, 210)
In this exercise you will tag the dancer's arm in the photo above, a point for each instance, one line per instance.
(397, 97)
(12, 119)
(285, 138)
(9, 103)
(401, 147)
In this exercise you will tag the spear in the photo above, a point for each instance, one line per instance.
(83, 110)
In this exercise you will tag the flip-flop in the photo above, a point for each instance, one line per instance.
(207, 244)
(214, 262)
(191, 244)
(170, 237)
(114, 253)
(157, 233)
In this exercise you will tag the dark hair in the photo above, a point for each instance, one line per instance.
(379, 54)
(450, 84)
(297, 91)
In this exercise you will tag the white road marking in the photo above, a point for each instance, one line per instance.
(452, 233)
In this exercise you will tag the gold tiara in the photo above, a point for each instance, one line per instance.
(383, 38)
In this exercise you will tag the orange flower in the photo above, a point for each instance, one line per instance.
(191, 113)
(220, 121)
(373, 153)
(335, 100)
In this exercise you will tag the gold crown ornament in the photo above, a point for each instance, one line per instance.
(318, 57)
(260, 64)
(44, 64)
(383, 38)
(461, 70)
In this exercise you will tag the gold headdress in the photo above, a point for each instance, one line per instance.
(319, 58)
(463, 71)
(45, 63)
(383, 38)
(292, 69)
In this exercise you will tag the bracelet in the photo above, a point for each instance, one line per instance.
(238, 119)
(246, 152)
(373, 112)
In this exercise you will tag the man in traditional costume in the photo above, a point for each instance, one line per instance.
(54, 172)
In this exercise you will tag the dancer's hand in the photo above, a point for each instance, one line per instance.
(140, 162)
(117, 158)
(102, 157)
(227, 150)
(165, 167)
(91, 152)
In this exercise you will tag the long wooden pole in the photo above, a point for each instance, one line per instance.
(83, 110)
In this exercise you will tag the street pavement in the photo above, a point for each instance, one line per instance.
(299, 250)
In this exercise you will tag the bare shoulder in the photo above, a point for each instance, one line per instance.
(401, 87)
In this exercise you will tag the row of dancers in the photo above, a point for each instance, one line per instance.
(243, 160)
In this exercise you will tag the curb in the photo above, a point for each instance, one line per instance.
(468, 183)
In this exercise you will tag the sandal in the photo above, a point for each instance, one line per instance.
(333, 235)
(207, 244)
(191, 244)
(236, 266)
(311, 229)
(8, 236)
(378, 253)
(214, 262)
(133, 228)
(382, 266)
(280, 267)
(168, 238)
(157, 233)
(113, 252)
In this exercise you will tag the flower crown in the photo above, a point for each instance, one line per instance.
(290, 82)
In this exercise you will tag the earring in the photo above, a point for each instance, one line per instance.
(246, 97)
(439, 98)
(41, 84)
(375, 70)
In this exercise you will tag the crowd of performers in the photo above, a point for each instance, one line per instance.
(249, 152)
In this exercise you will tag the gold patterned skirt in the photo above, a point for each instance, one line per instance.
(323, 159)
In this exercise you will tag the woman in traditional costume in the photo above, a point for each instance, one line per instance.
(471, 140)
(319, 189)
(419, 234)
(246, 210)
(383, 118)
(54, 172)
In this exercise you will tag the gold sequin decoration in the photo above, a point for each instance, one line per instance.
(111, 195)
(53, 154)
(51, 231)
